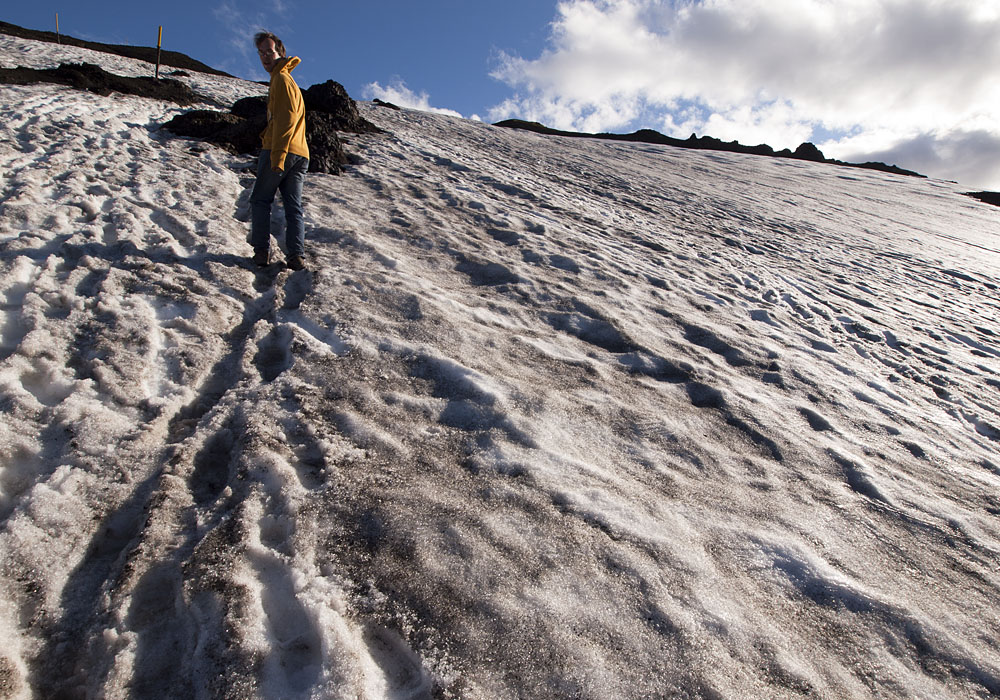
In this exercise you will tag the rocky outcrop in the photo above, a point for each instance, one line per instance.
(329, 110)
(808, 151)
(326, 150)
(229, 131)
(986, 197)
(331, 99)
(388, 105)
(86, 76)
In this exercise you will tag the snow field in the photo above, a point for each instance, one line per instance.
(545, 418)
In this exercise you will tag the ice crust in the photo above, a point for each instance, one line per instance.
(545, 418)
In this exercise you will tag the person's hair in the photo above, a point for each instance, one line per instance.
(261, 37)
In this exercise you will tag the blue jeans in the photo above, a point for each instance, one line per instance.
(289, 183)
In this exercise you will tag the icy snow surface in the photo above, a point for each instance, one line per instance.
(546, 418)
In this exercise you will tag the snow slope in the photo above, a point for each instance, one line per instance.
(546, 419)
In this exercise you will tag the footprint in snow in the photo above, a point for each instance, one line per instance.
(13, 329)
(508, 238)
(563, 262)
(212, 465)
(274, 354)
(309, 460)
(487, 274)
(296, 655)
(815, 420)
(297, 287)
(403, 669)
(590, 327)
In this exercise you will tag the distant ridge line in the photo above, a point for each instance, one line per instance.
(174, 59)
(807, 151)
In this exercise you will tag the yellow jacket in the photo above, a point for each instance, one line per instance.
(286, 115)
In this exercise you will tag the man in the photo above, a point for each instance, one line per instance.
(284, 160)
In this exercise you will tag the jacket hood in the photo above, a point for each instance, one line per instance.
(286, 64)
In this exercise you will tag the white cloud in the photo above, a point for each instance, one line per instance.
(889, 72)
(966, 156)
(774, 123)
(398, 94)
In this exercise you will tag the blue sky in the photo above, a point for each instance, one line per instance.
(443, 49)
(908, 82)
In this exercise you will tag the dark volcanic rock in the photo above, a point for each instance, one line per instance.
(879, 166)
(808, 151)
(326, 152)
(203, 123)
(229, 131)
(332, 99)
(250, 108)
(986, 197)
(329, 109)
(86, 76)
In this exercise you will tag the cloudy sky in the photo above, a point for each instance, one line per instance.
(906, 81)
(902, 81)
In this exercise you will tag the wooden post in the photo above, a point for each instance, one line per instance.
(159, 41)
(58, 38)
